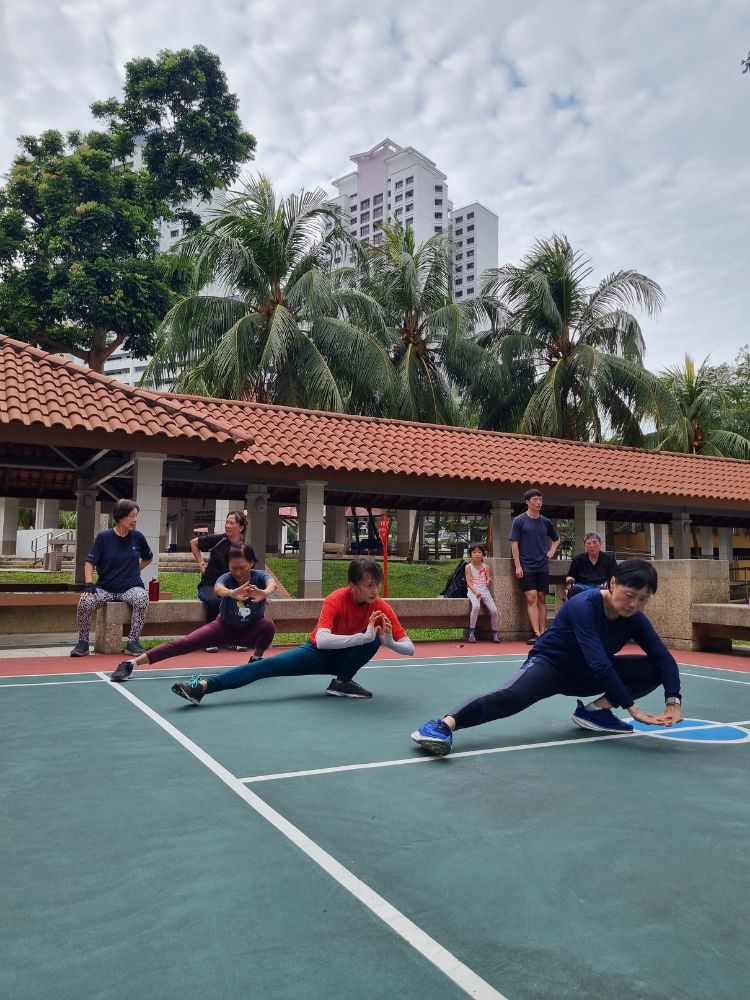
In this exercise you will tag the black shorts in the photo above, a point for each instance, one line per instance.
(538, 581)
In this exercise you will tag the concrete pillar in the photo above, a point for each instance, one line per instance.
(706, 539)
(601, 528)
(404, 528)
(584, 513)
(310, 563)
(256, 505)
(163, 525)
(336, 524)
(184, 524)
(660, 543)
(725, 544)
(273, 531)
(221, 510)
(86, 526)
(147, 484)
(681, 534)
(47, 514)
(501, 517)
(8, 525)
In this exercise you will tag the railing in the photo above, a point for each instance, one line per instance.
(44, 542)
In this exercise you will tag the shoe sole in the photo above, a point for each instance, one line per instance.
(343, 694)
(182, 694)
(81, 654)
(438, 748)
(120, 680)
(593, 728)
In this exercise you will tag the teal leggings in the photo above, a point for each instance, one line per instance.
(306, 659)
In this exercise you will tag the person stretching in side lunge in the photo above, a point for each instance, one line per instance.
(576, 656)
(352, 624)
(241, 622)
(478, 582)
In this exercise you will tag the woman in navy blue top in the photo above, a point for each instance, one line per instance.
(576, 656)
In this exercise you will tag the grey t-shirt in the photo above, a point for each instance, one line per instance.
(532, 534)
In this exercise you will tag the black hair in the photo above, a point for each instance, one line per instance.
(360, 568)
(532, 493)
(636, 573)
(477, 545)
(239, 516)
(242, 552)
(122, 508)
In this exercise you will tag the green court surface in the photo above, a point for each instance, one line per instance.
(275, 843)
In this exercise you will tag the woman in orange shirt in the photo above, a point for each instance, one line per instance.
(353, 622)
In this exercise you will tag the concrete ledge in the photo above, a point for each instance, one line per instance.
(182, 617)
(715, 625)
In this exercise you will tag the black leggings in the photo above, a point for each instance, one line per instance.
(538, 679)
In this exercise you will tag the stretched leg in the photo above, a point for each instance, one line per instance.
(215, 633)
(306, 659)
(537, 679)
(137, 598)
(347, 662)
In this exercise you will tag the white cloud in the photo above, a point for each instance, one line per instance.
(623, 126)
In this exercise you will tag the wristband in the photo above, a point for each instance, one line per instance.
(676, 700)
(90, 588)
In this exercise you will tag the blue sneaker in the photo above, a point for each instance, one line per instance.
(600, 720)
(435, 737)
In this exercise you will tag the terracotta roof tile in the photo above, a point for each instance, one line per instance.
(43, 390)
(320, 441)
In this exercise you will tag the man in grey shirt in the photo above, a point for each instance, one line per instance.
(529, 536)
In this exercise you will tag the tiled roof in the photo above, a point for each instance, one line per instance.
(315, 441)
(39, 390)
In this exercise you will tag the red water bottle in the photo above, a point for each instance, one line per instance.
(153, 590)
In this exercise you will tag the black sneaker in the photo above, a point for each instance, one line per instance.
(347, 689)
(238, 649)
(80, 649)
(135, 648)
(191, 690)
(212, 649)
(123, 671)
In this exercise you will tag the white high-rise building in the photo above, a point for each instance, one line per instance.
(474, 229)
(393, 183)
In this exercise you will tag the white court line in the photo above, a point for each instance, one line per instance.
(441, 958)
(579, 741)
(703, 677)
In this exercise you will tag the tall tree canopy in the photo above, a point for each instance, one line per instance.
(577, 351)
(286, 330)
(79, 264)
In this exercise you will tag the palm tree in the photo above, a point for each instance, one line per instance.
(434, 354)
(705, 410)
(283, 328)
(575, 354)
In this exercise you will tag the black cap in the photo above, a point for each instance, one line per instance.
(531, 493)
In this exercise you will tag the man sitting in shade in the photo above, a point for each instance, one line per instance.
(591, 569)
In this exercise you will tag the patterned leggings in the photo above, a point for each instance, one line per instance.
(485, 597)
(136, 597)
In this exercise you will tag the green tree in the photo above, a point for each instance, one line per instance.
(577, 353)
(79, 264)
(435, 358)
(287, 329)
(706, 410)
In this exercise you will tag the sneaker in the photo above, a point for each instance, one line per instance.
(123, 671)
(238, 649)
(212, 649)
(347, 689)
(191, 690)
(472, 637)
(495, 637)
(134, 647)
(600, 720)
(80, 649)
(532, 640)
(434, 737)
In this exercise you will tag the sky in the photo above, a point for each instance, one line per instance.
(623, 125)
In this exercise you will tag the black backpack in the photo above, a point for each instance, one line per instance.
(456, 585)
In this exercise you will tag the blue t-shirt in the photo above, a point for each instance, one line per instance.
(241, 614)
(532, 533)
(117, 559)
(581, 636)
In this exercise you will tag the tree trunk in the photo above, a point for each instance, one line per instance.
(101, 350)
(437, 535)
(414, 537)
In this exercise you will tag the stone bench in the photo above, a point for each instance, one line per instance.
(37, 611)
(715, 625)
(168, 618)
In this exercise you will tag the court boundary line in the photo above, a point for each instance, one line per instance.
(447, 963)
(397, 762)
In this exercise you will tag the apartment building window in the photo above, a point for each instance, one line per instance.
(459, 268)
(458, 219)
(399, 197)
(459, 256)
(459, 281)
(470, 229)
(438, 188)
(409, 180)
(459, 294)
(399, 211)
(438, 215)
(377, 238)
(364, 217)
(174, 233)
(460, 243)
(438, 201)
(438, 229)
(377, 213)
(353, 220)
(377, 199)
(469, 215)
(469, 253)
(410, 192)
(410, 207)
(399, 185)
(470, 266)
(410, 220)
(469, 291)
(364, 231)
(365, 203)
(470, 241)
(459, 232)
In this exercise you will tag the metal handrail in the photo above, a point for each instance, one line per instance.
(47, 540)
